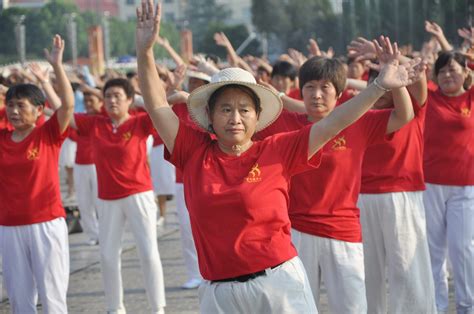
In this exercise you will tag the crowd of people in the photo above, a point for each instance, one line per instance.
(356, 171)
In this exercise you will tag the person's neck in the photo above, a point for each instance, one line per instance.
(314, 119)
(454, 94)
(19, 135)
(117, 121)
(236, 149)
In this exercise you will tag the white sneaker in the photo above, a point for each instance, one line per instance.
(192, 284)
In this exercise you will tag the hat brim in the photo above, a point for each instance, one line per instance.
(269, 101)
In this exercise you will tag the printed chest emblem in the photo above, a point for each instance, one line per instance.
(127, 136)
(32, 154)
(339, 144)
(254, 175)
(465, 112)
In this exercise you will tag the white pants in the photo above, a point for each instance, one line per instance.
(394, 234)
(187, 242)
(85, 181)
(340, 265)
(67, 154)
(140, 212)
(284, 289)
(36, 261)
(162, 172)
(450, 225)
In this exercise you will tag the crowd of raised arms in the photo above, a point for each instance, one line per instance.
(354, 170)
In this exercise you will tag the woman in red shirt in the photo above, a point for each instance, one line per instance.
(449, 175)
(33, 232)
(236, 189)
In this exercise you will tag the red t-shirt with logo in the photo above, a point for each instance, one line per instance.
(29, 179)
(397, 165)
(238, 206)
(449, 139)
(119, 155)
(323, 201)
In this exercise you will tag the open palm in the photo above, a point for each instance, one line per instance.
(148, 25)
(55, 56)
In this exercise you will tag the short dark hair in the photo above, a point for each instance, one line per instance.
(29, 91)
(445, 57)
(123, 84)
(284, 68)
(321, 68)
(247, 90)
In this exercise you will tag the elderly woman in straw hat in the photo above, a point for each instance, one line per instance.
(236, 189)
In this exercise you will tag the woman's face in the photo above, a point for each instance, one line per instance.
(320, 98)
(116, 102)
(234, 118)
(92, 103)
(451, 78)
(22, 114)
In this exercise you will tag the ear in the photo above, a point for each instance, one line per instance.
(39, 110)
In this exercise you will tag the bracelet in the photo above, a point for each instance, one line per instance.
(281, 94)
(377, 84)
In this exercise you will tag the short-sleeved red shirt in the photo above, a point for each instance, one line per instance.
(29, 179)
(119, 155)
(238, 206)
(397, 165)
(449, 139)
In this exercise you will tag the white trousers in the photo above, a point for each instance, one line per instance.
(67, 155)
(36, 261)
(163, 173)
(395, 244)
(85, 182)
(340, 265)
(450, 225)
(284, 289)
(140, 212)
(187, 242)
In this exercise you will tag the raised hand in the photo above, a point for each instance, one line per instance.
(433, 28)
(467, 34)
(313, 48)
(55, 56)
(362, 49)
(297, 57)
(148, 26)
(221, 39)
(41, 75)
(176, 78)
(392, 73)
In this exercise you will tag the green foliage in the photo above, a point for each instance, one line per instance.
(41, 24)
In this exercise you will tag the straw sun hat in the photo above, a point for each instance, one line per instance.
(269, 101)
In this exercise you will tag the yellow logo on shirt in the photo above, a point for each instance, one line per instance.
(32, 154)
(465, 112)
(127, 136)
(254, 175)
(339, 144)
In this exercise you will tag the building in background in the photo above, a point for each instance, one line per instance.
(99, 6)
(6, 4)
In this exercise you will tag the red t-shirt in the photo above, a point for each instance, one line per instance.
(323, 201)
(449, 139)
(238, 206)
(295, 93)
(29, 184)
(347, 94)
(120, 156)
(4, 123)
(432, 86)
(84, 154)
(397, 165)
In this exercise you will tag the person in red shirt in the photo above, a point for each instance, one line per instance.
(449, 175)
(34, 235)
(283, 79)
(125, 192)
(236, 189)
(85, 175)
(323, 211)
